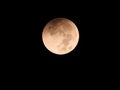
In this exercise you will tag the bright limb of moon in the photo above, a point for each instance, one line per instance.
(60, 36)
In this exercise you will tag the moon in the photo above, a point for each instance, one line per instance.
(60, 36)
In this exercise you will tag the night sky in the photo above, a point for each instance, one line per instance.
(23, 28)
(25, 51)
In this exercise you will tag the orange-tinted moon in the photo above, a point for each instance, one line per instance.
(60, 36)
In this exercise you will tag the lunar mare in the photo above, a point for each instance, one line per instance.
(60, 36)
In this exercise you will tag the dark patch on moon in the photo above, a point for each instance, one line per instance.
(51, 29)
(65, 42)
(67, 27)
(61, 32)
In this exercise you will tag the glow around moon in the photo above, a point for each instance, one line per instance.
(60, 36)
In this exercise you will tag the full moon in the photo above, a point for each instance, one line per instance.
(60, 36)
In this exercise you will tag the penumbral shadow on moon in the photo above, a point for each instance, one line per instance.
(58, 25)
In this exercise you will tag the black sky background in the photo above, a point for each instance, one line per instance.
(26, 58)
(25, 52)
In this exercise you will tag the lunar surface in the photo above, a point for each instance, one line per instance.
(60, 36)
